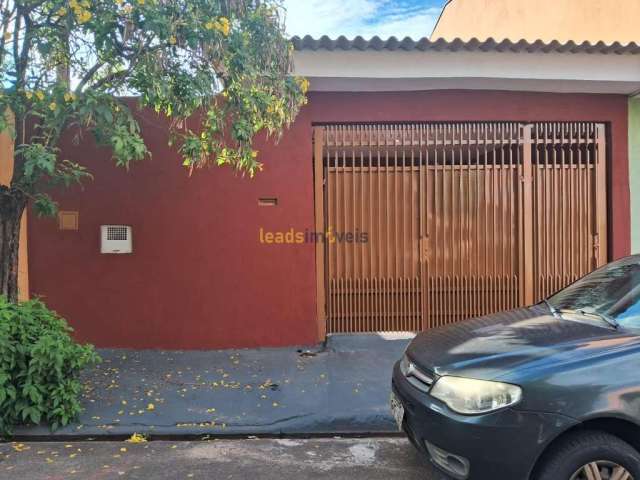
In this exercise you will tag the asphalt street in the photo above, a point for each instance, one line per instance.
(268, 459)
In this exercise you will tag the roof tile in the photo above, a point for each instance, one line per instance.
(489, 45)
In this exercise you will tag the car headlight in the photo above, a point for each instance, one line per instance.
(404, 365)
(473, 397)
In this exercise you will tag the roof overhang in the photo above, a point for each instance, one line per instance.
(522, 67)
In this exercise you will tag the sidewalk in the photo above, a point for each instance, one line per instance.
(342, 389)
(238, 459)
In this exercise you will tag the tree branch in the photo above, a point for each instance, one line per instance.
(88, 76)
(22, 59)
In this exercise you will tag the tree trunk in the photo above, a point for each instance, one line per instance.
(12, 205)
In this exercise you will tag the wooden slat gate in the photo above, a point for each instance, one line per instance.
(428, 224)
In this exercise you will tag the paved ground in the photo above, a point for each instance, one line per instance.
(334, 459)
(343, 388)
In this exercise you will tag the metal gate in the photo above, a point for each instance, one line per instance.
(427, 224)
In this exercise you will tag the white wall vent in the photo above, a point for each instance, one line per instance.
(115, 239)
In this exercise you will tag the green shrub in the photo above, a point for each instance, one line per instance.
(39, 366)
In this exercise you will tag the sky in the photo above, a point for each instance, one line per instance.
(385, 18)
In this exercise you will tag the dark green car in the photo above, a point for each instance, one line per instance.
(547, 392)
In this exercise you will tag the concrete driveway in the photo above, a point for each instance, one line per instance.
(352, 459)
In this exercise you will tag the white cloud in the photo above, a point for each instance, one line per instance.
(384, 18)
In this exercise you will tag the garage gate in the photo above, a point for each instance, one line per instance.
(428, 224)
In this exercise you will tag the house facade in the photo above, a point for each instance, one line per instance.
(424, 182)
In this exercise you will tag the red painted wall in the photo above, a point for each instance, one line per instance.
(199, 276)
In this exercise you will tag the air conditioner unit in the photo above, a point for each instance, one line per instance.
(115, 239)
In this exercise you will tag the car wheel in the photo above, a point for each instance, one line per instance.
(590, 455)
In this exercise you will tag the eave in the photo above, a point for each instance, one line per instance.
(393, 65)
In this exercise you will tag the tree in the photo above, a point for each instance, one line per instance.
(65, 64)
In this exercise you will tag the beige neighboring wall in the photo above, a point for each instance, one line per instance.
(563, 20)
(6, 170)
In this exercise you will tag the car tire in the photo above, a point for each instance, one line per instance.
(579, 449)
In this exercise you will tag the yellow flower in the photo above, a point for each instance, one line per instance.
(304, 85)
(140, 2)
(53, 106)
(172, 40)
(119, 2)
(73, 3)
(151, 407)
(224, 26)
(40, 95)
(29, 95)
(61, 12)
(84, 16)
(210, 25)
(69, 97)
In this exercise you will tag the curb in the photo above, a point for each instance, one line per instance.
(199, 437)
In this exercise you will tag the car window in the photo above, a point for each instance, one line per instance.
(613, 290)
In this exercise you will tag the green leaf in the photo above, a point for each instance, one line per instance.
(45, 206)
(35, 416)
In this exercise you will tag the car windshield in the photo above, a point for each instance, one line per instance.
(612, 291)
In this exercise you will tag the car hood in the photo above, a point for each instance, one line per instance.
(510, 344)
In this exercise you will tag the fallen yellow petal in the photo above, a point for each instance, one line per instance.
(136, 438)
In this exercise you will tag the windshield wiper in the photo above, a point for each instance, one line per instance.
(554, 310)
(601, 316)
